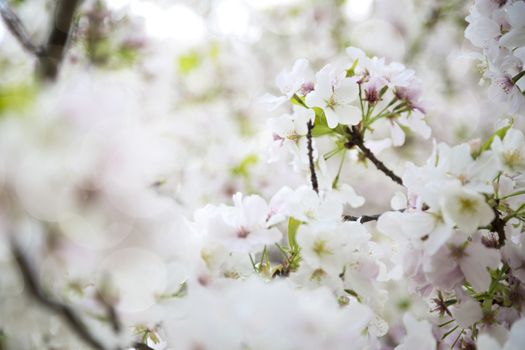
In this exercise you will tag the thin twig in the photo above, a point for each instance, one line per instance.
(362, 219)
(66, 312)
(14, 24)
(366, 218)
(356, 139)
(58, 38)
(112, 314)
(313, 176)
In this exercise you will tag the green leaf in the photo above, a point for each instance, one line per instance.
(189, 62)
(499, 133)
(16, 97)
(243, 168)
(320, 118)
(182, 291)
(214, 50)
(354, 294)
(350, 72)
(321, 130)
(298, 100)
(293, 226)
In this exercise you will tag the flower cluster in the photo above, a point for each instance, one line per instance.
(329, 220)
(498, 28)
(358, 91)
(457, 230)
(461, 230)
(455, 234)
(377, 102)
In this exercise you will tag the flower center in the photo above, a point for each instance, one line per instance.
(320, 248)
(512, 158)
(242, 233)
(331, 103)
(317, 275)
(467, 205)
(506, 84)
(457, 252)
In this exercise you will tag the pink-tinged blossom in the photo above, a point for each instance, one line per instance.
(515, 340)
(289, 131)
(461, 260)
(289, 83)
(481, 31)
(514, 256)
(425, 230)
(503, 88)
(419, 335)
(240, 228)
(515, 37)
(467, 312)
(498, 28)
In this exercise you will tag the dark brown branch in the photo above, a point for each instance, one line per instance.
(15, 26)
(58, 38)
(362, 219)
(356, 139)
(51, 54)
(66, 312)
(367, 218)
(112, 314)
(313, 176)
(498, 225)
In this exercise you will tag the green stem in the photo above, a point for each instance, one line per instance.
(515, 214)
(446, 323)
(253, 262)
(394, 99)
(449, 332)
(513, 195)
(361, 103)
(518, 76)
(332, 153)
(336, 180)
(455, 341)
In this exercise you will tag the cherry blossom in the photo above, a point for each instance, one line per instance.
(336, 95)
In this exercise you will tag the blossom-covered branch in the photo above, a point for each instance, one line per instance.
(154, 244)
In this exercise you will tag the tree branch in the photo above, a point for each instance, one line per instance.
(51, 54)
(356, 139)
(15, 26)
(58, 38)
(313, 176)
(498, 225)
(362, 219)
(66, 312)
